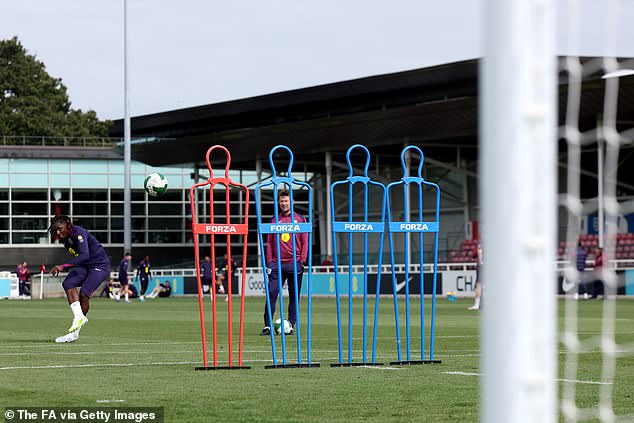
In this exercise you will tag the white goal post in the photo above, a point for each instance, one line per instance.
(518, 148)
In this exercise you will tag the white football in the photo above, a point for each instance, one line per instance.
(155, 184)
(277, 325)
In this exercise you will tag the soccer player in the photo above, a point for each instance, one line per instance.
(88, 267)
(222, 272)
(164, 290)
(287, 259)
(124, 265)
(144, 274)
(582, 289)
(23, 277)
(478, 285)
(205, 272)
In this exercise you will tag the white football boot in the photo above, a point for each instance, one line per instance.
(69, 337)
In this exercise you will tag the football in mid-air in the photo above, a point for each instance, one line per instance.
(155, 184)
(288, 328)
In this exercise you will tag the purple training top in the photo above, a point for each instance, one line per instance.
(85, 249)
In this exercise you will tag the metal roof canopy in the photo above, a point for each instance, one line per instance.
(435, 108)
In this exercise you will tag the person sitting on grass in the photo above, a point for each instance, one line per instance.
(164, 290)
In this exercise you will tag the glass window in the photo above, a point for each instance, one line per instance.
(60, 194)
(90, 195)
(29, 209)
(26, 237)
(138, 167)
(116, 223)
(116, 237)
(60, 208)
(165, 209)
(138, 237)
(27, 180)
(170, 195)
(90, 209)
(89, 180)
(166, 223)
(102, 237)
(138, 223)
(138, 209)
(91, 223)
(60, 180)
(166, 237)
(29, 165)
(116, 180)
(90, 166)
(60, 166)
(4, 224)
(138, 194)
(4, 237)
(116, 195)
(116, 209)
(138, 181)
(116, 166)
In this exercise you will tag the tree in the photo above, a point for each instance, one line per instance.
(33, 103)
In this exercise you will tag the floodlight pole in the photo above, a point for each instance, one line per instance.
(127, 197)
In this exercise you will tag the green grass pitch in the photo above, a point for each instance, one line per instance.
(144, 354)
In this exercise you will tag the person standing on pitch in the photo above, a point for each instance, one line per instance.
(144, 274)
(23, 278)
(222, 272)
(89, 267)
(124, 265)
(287, 259)
(205, 273)
(478, 285)
(597, 286)
(582, 289)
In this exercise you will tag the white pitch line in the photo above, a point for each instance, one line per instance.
(76, 366)
(380, 367)
(588, 382)
(159, 363)
(51, 344)
(109, 401)
(16, 354)
(463, 374)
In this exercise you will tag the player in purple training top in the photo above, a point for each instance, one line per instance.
(88, 267)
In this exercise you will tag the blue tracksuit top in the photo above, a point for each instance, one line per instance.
(84, 248)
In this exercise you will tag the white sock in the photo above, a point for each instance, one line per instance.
(126, 296)
(117, 296)
(141, 297)
(476, 303)
(76, 309)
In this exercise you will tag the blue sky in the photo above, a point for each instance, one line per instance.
(194, 52)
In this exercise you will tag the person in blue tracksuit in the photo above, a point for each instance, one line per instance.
(88, 267)
(124, 266)
(205, 273)
(144, 274)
